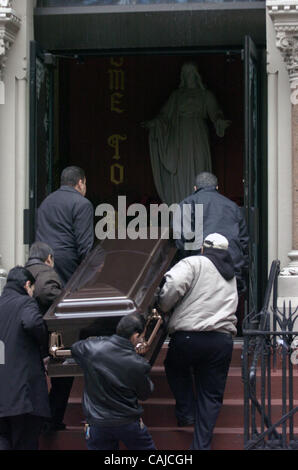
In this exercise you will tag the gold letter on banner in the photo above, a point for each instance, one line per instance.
(117, 62)
(114, 178)
(116, 79)
(113, 142)
(115, 101)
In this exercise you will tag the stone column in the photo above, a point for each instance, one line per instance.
(284, 14)
(15, 16)
(293, 255)
(272, 74)
(10, 23)
(20, 164)
(9, 26)
(288, 282)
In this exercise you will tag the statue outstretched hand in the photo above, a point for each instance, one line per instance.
(221, 125)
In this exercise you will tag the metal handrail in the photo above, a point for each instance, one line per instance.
(263, 316)
(271, 429)
(264, 333)
(261, 324)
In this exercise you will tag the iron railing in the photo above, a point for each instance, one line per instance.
(270, 355)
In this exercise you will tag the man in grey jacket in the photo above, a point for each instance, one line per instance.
(202, 292)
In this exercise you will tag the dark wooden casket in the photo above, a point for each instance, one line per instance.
(118, 277)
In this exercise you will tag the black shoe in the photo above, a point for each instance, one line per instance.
(49, 427)
(185, 422)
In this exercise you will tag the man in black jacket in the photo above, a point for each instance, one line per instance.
(220, 215)
(65, 223)
(116, 377)
(23, 388)
(48, 287)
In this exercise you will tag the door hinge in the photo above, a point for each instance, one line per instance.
(50, 59)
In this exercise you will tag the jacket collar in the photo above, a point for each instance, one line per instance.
(122, 342)
(70, 189)
(208, 188)
(14, 286)
(33, 261)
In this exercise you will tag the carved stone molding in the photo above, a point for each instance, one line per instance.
(284, 14)
(9, 26)
(3, 276)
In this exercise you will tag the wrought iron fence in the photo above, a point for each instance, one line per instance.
(270, 358)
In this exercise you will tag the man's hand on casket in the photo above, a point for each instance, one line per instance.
(142, 347)
(156, 295)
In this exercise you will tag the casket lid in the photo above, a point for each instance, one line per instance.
(118, 277)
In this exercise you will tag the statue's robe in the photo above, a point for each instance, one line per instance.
(179, 141)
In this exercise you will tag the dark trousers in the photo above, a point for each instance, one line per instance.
(58, 397)
(20, 432)
(197, 365)
(135, 436)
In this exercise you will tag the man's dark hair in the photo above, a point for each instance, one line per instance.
(71, 175)
(40, 250)
(130, 324)
(20, 275)
(205, 180)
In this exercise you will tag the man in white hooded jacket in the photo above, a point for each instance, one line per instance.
(202, 292)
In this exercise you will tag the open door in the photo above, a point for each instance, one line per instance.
(41, 133)
(252, 194)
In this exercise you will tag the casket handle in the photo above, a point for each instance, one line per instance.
(56, 348)
(143, 346)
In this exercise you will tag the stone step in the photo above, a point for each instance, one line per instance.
(234, 386)
(165, 438)
(158, 369)
(236, 357)
(161, 412)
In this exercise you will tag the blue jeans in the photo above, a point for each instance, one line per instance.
(135, 436)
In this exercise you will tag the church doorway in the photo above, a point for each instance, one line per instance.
(103, 101)
(87, 109)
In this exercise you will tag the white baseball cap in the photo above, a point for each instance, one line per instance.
(215, 240)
